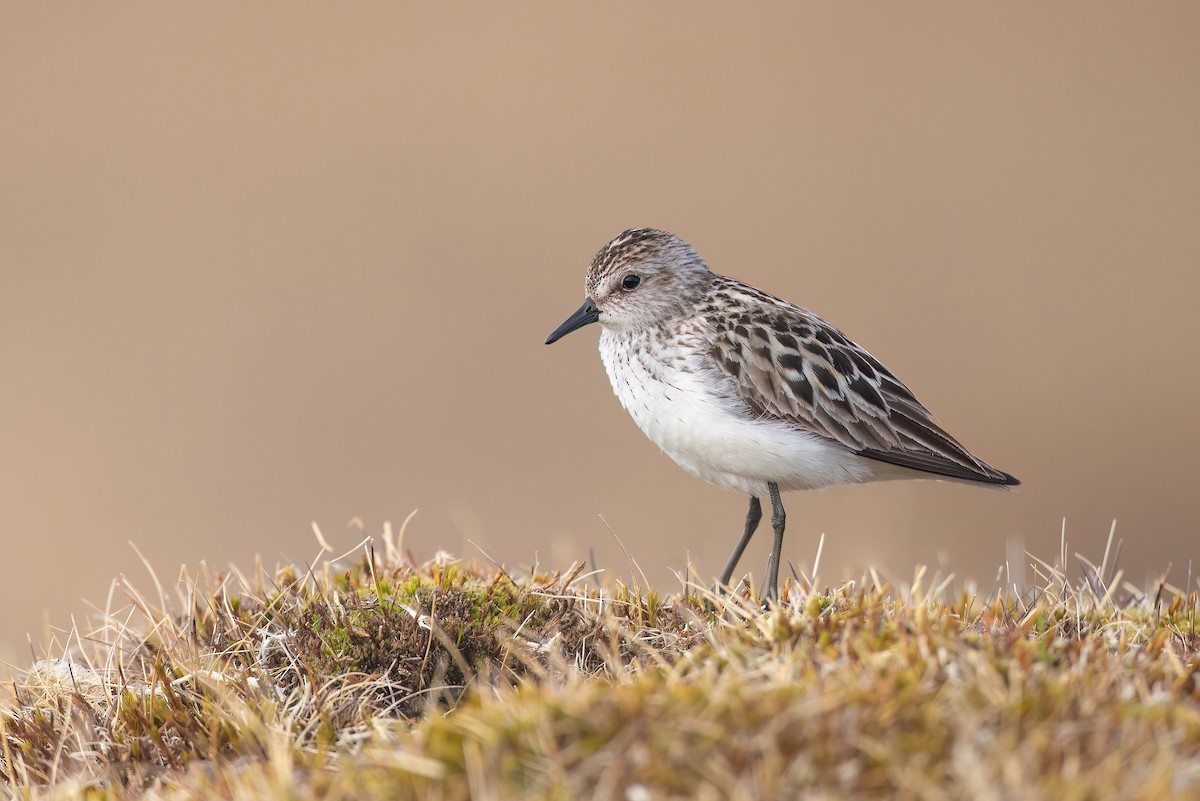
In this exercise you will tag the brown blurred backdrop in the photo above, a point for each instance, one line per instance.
(264, 264)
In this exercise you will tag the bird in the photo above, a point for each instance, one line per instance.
(752, 393)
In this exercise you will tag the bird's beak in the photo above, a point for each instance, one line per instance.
(584, 315)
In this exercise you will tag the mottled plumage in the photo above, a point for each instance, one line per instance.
(748, 391)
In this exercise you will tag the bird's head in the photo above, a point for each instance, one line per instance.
(640, 279)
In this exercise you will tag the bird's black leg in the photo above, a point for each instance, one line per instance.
(753, 515)
(778, 521)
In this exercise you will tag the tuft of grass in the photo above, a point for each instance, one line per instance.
(374, 676)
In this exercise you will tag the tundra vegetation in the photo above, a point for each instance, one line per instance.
(370, 675)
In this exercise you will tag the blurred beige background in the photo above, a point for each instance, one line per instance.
(267, 264)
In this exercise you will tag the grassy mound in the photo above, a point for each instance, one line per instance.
(375, 676)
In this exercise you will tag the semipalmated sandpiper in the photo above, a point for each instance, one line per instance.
(749, 392)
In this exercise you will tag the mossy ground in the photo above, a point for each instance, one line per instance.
(374, 677)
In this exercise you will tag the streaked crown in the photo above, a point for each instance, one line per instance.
(646, 276)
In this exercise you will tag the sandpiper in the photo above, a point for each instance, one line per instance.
(749, 392)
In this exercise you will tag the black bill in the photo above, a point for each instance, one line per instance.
(584, 315)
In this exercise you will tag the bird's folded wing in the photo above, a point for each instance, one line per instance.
(795, 367)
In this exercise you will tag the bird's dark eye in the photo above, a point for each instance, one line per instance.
(630, 282)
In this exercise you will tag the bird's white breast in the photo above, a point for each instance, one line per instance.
(678, 397)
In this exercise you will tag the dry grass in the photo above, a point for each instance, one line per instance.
(372, 676)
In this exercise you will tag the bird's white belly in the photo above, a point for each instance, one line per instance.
(682, 406)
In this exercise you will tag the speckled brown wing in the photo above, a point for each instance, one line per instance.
(791, 365)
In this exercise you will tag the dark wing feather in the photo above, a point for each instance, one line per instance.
(791, 365)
